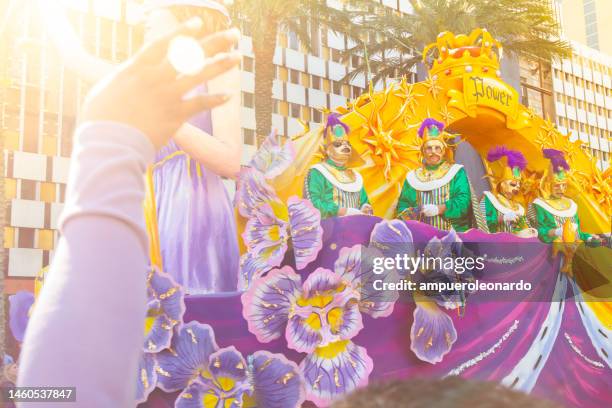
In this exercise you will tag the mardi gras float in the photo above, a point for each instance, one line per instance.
(381, 178)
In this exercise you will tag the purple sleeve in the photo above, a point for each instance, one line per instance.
(87, 327)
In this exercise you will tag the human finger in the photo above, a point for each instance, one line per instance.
(213, 67)
(222, 41)
(197, 104)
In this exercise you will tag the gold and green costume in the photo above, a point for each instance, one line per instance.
(441, 184)
(495, 206)
(330, 187)
(551, 214)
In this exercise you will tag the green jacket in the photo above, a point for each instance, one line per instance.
(493, 214)
(457, 206)
(320, 191)
(547, 221)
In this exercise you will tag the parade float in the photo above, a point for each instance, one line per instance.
(303, 330)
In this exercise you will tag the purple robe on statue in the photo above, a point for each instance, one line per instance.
(195, 219)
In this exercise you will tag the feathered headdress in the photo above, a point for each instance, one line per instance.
(557, 172)
(557, 159)
(339, 129)
(432, 129)
(504, 164)
(334, 130)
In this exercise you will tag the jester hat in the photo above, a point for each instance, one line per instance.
(504, 164)
(432, 129)
(558, 171)
(335, 130)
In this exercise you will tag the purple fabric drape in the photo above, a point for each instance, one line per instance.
(492, 336)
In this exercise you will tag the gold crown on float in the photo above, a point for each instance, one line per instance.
(456, 55)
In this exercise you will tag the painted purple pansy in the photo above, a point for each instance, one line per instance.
(162, 286)
(252, 191)
(321, 315)
(147, 377)
(225, 384)
(446, 248)
(165, 310)
(334, 371)
(251, 268)
(187, 357)
(267, 303)
(213, 377)
(19, 313)
(355, 266)
(274, 226)
(277, 382)
(305, 230)
(270, 228)
(273, 156)
(322, 310)
(267, 233)
(392, 236)
(432, 333)
(325, 311)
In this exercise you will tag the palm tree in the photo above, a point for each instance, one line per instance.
(263, 19)
(526, 28)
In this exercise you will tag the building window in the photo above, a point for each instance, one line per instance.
(316, 82)
(294, 42)
(248, 100)
(336, 87)
(336, 55)
(317, 116)
(248, 64)
(294, 76)
(248, 136)
(294, 110)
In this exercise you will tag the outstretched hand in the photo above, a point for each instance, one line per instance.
(148, 94)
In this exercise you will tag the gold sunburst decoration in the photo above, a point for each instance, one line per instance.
(446, 114)
(384, 143)
(407, 92)
(599, 184)
(432, 86)
(547, 134)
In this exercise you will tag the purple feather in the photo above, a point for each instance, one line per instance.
(428, 123)
(557, 159)
(515, 158)
(334, 119)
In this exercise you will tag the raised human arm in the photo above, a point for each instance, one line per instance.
(222, 152)
(86, 330)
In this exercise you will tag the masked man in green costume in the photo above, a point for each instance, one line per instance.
(553, 209)
(438, 193)
(503, 212)
(332, 186)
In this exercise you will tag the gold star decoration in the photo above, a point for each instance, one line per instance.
(433, 88)
(385, 145)
(547, 135)
(446, 114)
(406, 92)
